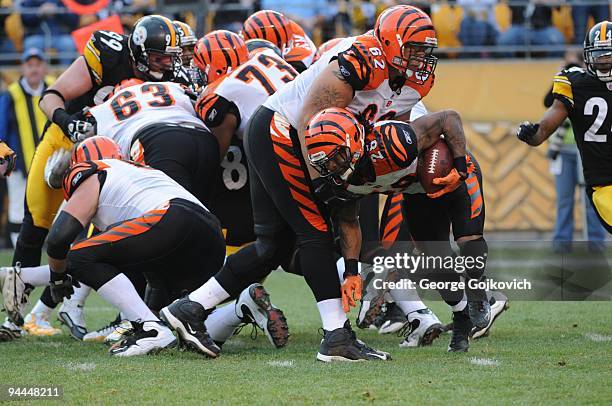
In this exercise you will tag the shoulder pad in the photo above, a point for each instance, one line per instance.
(212, 108)
(363, 65)
(77, 175)
(104, 51)
(563, 85)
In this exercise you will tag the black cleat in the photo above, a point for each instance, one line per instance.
(342, 344)
(462, 326)
(480, 313)
(187, 318)
(499, 304)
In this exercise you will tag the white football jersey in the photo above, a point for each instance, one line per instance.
(135, 107)
(248, 87)
(378, 103)
(130, 190)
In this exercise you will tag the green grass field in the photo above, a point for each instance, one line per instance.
(538, 352)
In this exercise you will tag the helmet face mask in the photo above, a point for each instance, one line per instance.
(417, 62)
(598, 51)
(155, 50)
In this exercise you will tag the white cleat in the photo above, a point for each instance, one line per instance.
(14, 293)
(422, 328)
(119, 332)
(145, 338)
(71, 315)
(9, 331)
(254, 306)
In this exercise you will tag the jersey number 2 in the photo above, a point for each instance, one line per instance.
(602, 111)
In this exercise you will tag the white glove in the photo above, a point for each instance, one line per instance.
(56, 165)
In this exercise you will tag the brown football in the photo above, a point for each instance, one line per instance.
(435, 162)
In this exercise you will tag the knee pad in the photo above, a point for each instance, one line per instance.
(477, 249)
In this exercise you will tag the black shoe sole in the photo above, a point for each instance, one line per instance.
(276, 318)
(372, 313)
(434, 331)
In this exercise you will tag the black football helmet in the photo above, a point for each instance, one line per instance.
(255, 45)
(598, 51)
(187, 41)
(155, 48)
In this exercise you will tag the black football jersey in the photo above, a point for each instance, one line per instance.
(589, 102)
(232, 201)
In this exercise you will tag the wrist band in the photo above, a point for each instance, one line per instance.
(351, 267)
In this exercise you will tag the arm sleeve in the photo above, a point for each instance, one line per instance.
(354, 68)
(562, 90)
(212, 108)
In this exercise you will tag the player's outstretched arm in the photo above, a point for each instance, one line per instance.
(74, 82)
(329, 89)
(535, 134)
(429, 127)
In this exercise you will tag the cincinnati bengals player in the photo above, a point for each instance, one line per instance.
(585, 96)
(148, 220)
(389, 166)
(155, 123)
(226, 106)
(326, 46)
(286, 215)
(373, 76)
(296, 47)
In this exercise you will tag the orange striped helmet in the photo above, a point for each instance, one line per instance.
(335, 142)
(408, 39)
(94, 149)
(217, 53)
(269, 25)
(394, 136)
(326, 46)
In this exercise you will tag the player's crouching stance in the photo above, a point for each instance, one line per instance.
(152, 225)
(284, 208)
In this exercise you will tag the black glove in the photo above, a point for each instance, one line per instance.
(76, 126)
(61, 286)
(527, 131)
(334, 196)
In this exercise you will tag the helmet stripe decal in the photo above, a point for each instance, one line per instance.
(424, 28)
(99, 156)
(603, 31)
(404, 15)
(172, 31)
(280, 24)
(411, 25)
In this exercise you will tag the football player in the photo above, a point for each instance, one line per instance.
(285, 210)
(151, 224)
(296, 47)
(226, 106)
(187, 42)
(107, 59)
(585, 96)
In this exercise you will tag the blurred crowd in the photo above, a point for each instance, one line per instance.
(472, 28)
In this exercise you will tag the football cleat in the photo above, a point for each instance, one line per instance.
(254, 306)
(480, 313)
(422, 330)
(100, 334)
(120, 331)
(187, 318)
(70, 314)
(392, 320)
(37, 324)
(342, 344)
(373, 303)
(14, 293)
(144, 338)
(499, 304)
(462, 326)
(9, 331)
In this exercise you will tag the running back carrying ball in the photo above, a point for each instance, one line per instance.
(435, 162)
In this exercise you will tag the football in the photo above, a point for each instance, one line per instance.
(435, 162)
